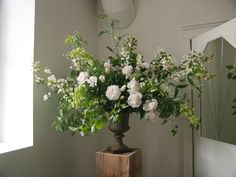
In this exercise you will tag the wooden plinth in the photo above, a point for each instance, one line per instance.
(119, 165)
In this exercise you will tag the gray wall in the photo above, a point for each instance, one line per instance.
(55, 154)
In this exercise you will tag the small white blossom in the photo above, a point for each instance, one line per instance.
(47, 71)
(152, 115)
(51, 81)
(122, 89)
(102, 78)
(122, 97)
(107, 66)
(92, 81)
(146, 65)
(127, 71)
(45, 97)
(158, 52)
(133, 86)
(82, 78)
(139, 60)
(135, 99)
(113, 92)
(150, 105)
(52, 78)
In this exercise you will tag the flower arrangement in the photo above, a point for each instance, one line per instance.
(97, 91)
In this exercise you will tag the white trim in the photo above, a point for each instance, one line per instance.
(203, 25)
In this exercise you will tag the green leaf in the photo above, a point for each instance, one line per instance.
(99, 17)
(74, 129)
(190, 80)
(164, 121)
(110, 49)
(102, 32)
(230, 67)
(176, 92)
(234, 113)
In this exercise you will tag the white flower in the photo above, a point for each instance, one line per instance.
(123, 88)
(92, 81)
(113, 92)
(82, 78)
(135, 99)
(107, 66)
(127, 71)
(45, 97)
(152, 115)
(146, 65)
(47, 71)
(139, 60)
(51, 81)
(133, 86)
(151, 108)
(150, 105)
(102, 78)
(157, 54)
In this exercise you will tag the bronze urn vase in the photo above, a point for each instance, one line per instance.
(119, 128)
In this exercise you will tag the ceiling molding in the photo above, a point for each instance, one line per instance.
(202, 25)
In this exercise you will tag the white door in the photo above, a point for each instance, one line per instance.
(215, 143)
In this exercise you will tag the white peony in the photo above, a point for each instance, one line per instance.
(152, 115)
(102, 78)
(133, 86)
(122, 89)
(107, 66)
(127, 71)
(135, 99)
(92, 81)
(113, 92)
(82, 78)
(150, 105)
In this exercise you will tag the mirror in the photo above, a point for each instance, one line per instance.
(217, 98)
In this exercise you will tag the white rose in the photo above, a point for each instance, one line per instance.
(82, 78)
(133, 86)
(92, 81)
(135, 99)
(102, 78)
(150, 105)
(152, 115)
(127, 71)
(123, 88)
(107, 66)
(113, 92)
